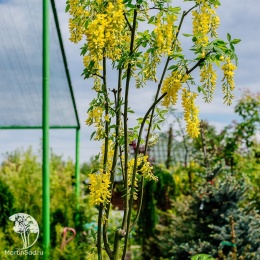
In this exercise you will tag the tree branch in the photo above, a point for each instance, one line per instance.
(129, 25)
(135, 170)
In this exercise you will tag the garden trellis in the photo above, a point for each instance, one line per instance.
(35, 86)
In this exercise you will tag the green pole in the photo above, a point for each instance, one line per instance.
(45, 131)
(77, 174)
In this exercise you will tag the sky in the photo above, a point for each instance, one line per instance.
(238, 17)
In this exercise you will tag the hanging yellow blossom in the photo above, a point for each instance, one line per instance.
(99, 188)
(95, 116)
(144, 168)
(150, 64)
(164, 33)
(109, 157)
(191, 113)
(209, 78)
(97, 84)
(115, 34)
(205, 22)
(95, 34)
(100, 182)
(105, 34)
(228, 79)
(102, 24)
(76, 24)
(171, 86)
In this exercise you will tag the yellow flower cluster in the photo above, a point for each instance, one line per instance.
(150, 64)
(95, 118)
(103, 24)
(164, 33)
(191, 113)
(99, 188)
(95, 63)
(171, 86)
(100, 191)
(115, 34)
(105, 33)
(97, 83)
(209, 78)
(228, 69)
(205, 21)
(148, 71)
(229, 84)
(109, 157)
(76, 24)
(143, 167)
(146, 168)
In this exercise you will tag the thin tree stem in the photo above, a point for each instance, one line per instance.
(112, 174)
(99, 232)
(135, 170)
(128, 77)
(100, 213)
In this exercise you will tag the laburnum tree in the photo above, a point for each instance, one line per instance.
(139, 43)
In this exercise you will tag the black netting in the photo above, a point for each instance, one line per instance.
(21, 68)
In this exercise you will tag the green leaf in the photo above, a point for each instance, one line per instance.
(86, 23)
(131, 111)
(229, 37)
(202, 257)
(144, 44)
(173, 67)
(217, 62)
(194, 38)
(176, 9)
(67, 8)
(124, 76)
(112, 126)
(92, 135)
(150, 50)
(131, 6)
(187, 35)
(235, 41)
(140, 19)
(140, 120)
(151, 20)
(219, 42)
(236, 59)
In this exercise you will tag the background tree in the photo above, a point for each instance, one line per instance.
(199, 221)
(21, 169)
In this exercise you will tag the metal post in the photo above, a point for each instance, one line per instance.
(45, 131)
(77, 174)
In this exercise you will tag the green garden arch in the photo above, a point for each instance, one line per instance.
(35, 85)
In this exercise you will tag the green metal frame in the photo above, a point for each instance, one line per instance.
(35, 127)
(45, 131)
(64, 57)
(46, 124)
(46, 178)
(77, 167)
